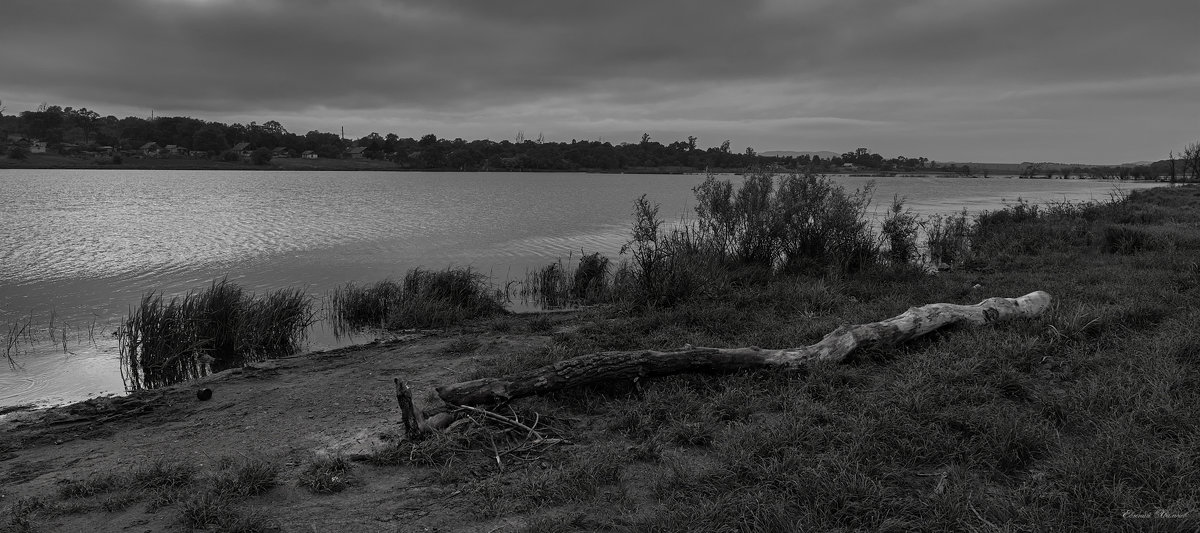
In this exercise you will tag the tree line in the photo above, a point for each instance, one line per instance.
(84, 129)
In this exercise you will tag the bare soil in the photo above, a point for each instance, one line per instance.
(285, 411)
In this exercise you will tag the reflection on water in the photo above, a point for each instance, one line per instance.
(88, 243)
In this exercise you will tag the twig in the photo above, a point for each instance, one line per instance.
(498, 418)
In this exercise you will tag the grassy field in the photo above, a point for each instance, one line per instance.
(1081, 420)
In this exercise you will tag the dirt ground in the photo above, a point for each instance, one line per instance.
(285, 411)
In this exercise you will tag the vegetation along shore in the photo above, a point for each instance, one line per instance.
(57, 137)
(1081, 418)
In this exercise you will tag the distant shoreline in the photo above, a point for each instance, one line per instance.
(58, 162)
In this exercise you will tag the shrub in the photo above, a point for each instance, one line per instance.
(18, 153)
(947, 238)
(590, 281)
(657, 271)
(260, 156)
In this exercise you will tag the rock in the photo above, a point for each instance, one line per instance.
(203, 394)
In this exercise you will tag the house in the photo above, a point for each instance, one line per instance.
(37, 147)
(281, 152)
(197, 153)
(150, 148)
(242, 149)
(309, 154)
(357, 152)
(174, 149)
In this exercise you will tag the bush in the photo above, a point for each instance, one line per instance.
(805, 223)
(947, 238)
(18, 153)
(899, 230)
(591, 278)
(260, 156)
(657, 270)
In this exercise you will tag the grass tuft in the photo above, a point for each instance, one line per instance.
(327, 475)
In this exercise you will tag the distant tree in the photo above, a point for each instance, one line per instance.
(210, 139)
(18, 152)
(725, 147)
(750, 152)
(645, 139)
(1191, 160)
(261, 156)
(691, 143)
(274, 128)
(1172, 158)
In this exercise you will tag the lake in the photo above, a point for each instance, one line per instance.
(79, 247)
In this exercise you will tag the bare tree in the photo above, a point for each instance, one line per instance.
(1191, 160)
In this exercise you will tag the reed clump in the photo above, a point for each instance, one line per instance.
(571, 285)
(423, 299)
(167, 341)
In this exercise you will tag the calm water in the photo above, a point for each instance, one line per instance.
(82, 246)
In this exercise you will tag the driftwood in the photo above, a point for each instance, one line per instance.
(836, 346)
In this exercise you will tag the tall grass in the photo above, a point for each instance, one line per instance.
(424, 299)
(558, 285)
(164, 342)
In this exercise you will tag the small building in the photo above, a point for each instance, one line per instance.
(281, 152)
(309, 154)
(242, 149)
(175, 150)
(358, 152)
(37, 147)
(150, 148)
(197, 153)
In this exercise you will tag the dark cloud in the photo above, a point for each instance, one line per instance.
(584, 66)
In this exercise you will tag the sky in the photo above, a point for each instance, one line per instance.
(1073, 81)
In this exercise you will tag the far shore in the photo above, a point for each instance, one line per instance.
(55, 162)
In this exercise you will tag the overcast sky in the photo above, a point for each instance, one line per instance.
(1087, 81)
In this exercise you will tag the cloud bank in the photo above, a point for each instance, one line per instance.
(1067, 80)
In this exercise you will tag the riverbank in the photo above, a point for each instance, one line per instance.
(1082, 419)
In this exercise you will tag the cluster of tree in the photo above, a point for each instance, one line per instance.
(82, 127)
(60, 126)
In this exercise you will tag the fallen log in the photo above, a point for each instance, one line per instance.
(606, 366)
